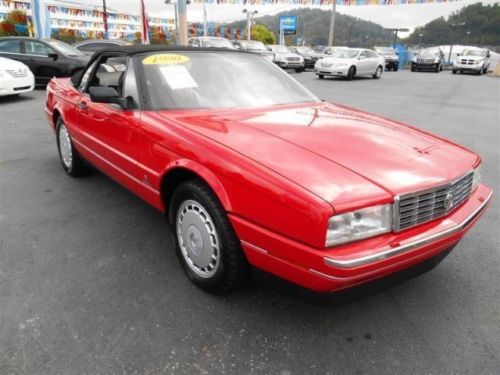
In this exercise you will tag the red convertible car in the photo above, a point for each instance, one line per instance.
(253, 169)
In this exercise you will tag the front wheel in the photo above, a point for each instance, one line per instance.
(395, 68)
(71, 160)
(351, 73)
(206, 244)
(299, 70)
(454, 71)
(321, 76)
(378, 73)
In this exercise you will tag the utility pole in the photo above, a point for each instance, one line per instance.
(105, 19)
(420, 39)
(332, 23)
(167, 2)
(349, 35)
(453, 25)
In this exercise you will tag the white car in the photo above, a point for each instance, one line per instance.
(349, 63)
(15, 77)
(472, 60)
(210, 42)
(287, 59)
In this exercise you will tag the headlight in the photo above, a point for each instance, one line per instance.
(479, 62)
(356, 225)
(476, 178)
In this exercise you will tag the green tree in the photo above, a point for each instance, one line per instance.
(263, 34)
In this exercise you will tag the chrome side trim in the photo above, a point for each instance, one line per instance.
(387, 253)
(259, 249)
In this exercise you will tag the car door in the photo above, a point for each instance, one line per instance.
(374, 60)
(108, 132)
(363, 66)
(37, 58)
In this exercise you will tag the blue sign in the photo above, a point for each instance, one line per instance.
(288, 24)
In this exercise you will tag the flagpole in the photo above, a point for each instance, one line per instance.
(332, 23)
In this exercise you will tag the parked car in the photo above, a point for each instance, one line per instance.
(90, 46)
(46, 58)
(210, 41)
(472, 60)
(253, 169)
(429, 59)
(286, 59)
(254, 46)
(310, 57)
(15, 77)
(349, 63)
(390, 56)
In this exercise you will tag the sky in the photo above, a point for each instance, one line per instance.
(391, 16)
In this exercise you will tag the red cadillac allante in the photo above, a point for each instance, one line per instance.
(253, 169)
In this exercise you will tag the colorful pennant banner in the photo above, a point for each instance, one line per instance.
(321, 2)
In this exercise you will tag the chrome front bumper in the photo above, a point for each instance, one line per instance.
(411, 245)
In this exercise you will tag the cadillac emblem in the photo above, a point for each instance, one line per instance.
(448, 201)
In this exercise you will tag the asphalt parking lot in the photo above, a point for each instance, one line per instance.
(89, 282)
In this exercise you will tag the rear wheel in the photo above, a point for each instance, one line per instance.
(206, 244)
(454, 71)
(71, 161)
(395, 68)
(351, 73)
(413, 69)
(378, 72)
(321, 76)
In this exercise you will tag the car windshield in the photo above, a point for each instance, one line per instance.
(65, 49)
(281, 49)
(430, 52)
(195, 80)
(253, 45)
(217, 43)
(346, 53)
(385, 51)
(473, 52)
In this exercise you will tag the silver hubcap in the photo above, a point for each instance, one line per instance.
(198, 239)
(65, 146)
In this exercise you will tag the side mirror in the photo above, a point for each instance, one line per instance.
(104, 94)
(53, 56)
(488, 54)
(458, 54)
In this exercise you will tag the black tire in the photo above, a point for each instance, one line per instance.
(378, 72)
(351, 73)
(76, 167)
(485, 70)
(436, 69)
(454, 71)
(413, 69)
(441, 68)
(299, 70)
(395, 68)
(321, 76)
(232, 269)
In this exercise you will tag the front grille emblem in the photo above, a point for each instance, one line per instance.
(448, 201)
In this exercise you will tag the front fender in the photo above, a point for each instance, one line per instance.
(203, 172)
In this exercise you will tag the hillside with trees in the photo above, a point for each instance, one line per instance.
(313, 25)
(481, 21)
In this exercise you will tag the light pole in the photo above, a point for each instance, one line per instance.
(349, 35)
(105, 19)
(395, 31)
(453, 25)
(468, 35)
(420, 39)
(332, 24)
(167, 2)
(250, 14)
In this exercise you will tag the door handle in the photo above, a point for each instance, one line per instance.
(82, 106)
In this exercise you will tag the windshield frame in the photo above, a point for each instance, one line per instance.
(62, 48)
(254, 42)
(147, 101)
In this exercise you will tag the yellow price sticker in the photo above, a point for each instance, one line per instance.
(165, 59)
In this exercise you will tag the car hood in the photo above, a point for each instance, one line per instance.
(342, 155)
(10, 64)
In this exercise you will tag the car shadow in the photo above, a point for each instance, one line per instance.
(16, 98)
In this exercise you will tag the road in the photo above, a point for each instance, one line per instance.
(89, 282)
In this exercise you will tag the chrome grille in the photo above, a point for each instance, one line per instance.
(17, 73)
(467, 62)
(293, 58)
(417, 208)
(425, 61)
